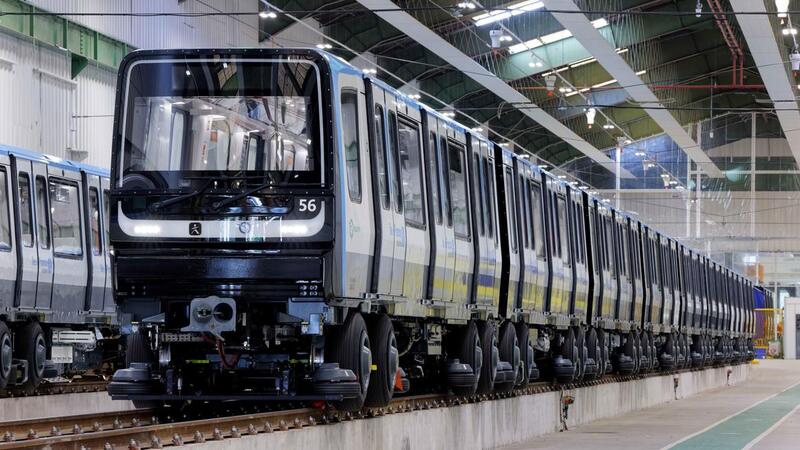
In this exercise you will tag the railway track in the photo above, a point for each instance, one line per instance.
(145, 428)
(54, 388)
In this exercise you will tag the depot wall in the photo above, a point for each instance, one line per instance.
(43, 109)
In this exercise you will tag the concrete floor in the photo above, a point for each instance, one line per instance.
(762, 413)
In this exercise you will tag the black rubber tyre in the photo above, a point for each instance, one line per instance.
(467, 348)
(595, 352)
(569, 350)
(645, 348)
(6, 354)
(510, 352)
(386, 361)
(527, 355)
(580, 344)
(491, 356)
(31, 346)
(137, 349)
(350, 347)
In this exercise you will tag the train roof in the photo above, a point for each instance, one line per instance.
(52, 161)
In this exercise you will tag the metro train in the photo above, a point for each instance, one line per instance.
(57, 310)
(286, 226)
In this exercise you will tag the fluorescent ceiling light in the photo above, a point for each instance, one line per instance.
(551, 38)
(513, 10)
(582, 62)
(605, 83)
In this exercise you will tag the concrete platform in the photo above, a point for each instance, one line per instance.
(507, 422)
(20, 408)
(760, 413)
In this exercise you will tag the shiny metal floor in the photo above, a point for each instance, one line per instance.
(761, 413)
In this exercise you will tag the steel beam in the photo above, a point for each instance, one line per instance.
(456, 58)
(605, 53)
(771, 62)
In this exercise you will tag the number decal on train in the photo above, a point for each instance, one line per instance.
(309, 205)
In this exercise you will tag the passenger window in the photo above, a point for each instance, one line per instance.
(511, 208)
(446, 196)
(5, 215)
(94, 221)
(351, 145)
(42, 211)
(563, 226)
(490, 195)
(480, 188)
(106, 216)
(66, 220)
(458, 189)
(24, 186)
(433, 171)
(380, 156)
(397, 188)
(525, 210)
(411, 164)
(538, 224)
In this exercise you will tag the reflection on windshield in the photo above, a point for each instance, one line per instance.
(223, 133)
(211, 118)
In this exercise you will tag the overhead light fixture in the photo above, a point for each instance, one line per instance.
(794, 57)
(590, 115)
(789, 31)
(698, 9)
(267, 15)
(188, 73)
(496, 36)
(550, 82)
(608, 126)
(544, 166)
(478, 130)
(450, 114)
(640, 153)
(673, 182)
(414, 96)
(466, 5)
(562, 177)
(370, 71)
(324, 46)
(512, 10)
(628, 142)
(551, 38)
(783, 7)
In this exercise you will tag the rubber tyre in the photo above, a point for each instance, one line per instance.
(352, 350)
(527, 354)
(595, 352)
(386, 359)
(6, 355)
(467, 348)
(31, 346)
(510, 352)
(569, 350)
(602, 341)
(491, 356)
(580, 344)
(137, 349)
(645, 348)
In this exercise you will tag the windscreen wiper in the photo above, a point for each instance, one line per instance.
(217, 205)
(171, 201)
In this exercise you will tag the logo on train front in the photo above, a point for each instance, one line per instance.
(195, 229)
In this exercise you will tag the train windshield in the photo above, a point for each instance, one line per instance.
(253, 120)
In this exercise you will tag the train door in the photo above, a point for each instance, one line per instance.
(480, 221)
(8, 252)
(677, 288)
(508, 217)
(458, 184)
(93, 216)
(594, 248)
(667, 289)
(449, 236)
(492, 227)
(527, 212)
(108, 295)
(71, 267)
(28, 257)
(622, 253)
(539, 263)
(580, 282)
(610, 279)
(409, 155)
(435, 283)
(639, 293)
(42, 211)
(383, 199)
(356, 240)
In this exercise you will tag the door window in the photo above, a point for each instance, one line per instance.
(94, 221)
(351, 144)
(26, 219)
(5, 215)
(42, 212)
(66, 220)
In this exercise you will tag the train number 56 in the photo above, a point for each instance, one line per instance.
(308, 205)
